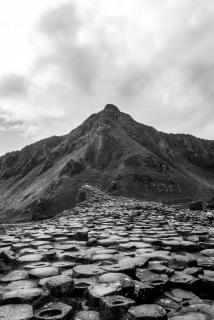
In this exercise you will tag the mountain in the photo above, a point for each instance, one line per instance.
(110, 151)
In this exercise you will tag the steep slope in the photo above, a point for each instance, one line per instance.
(112, 152)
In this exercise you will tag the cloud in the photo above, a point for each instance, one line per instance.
(60, 22)
(13, 85)
(177, 83)
(8, 122)
(154, 59)
(74, 61)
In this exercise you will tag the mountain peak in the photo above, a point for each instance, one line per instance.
(110, 151)
(111, 110)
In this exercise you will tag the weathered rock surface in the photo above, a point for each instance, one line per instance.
(54, 311)
(16, 312)
(147, 311)
(149, 261)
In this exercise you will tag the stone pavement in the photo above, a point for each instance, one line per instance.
(109, 258)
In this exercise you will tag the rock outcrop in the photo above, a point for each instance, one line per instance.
(89, 193)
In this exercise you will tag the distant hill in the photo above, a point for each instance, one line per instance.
(110, 151)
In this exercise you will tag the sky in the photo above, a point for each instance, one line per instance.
(61, 61)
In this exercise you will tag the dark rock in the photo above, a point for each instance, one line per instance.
(81, 235)
(182, 280)
(115, 306)
(126, 282)
(98, 291)
(58, 286)
(82, 284)
(157, 281)
(91, 242)
(143, 293)
(54, 311)
(196, 205)
(147, 311)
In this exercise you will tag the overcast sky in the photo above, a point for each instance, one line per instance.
(60, 61)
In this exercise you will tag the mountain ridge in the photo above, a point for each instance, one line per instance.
(111, 151)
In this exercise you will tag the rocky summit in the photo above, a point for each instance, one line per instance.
(109, 258)
(112, 152)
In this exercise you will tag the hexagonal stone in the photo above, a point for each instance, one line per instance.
(51, 254)
(132, 263)
(87, 270)
(30, 258)
(66, 247)
(207, 282)
(63, 265)
(81, 235)
(91, 242)
(81, 284)
(182, 280)
(206, 262)
(181, 261)
(199, 311)
(189, 316)
(43, 237)
(21, 284)
(15, 276)
(126, 282)
(148, 311)
(168, 304)
(37, 244)
(104, 257)
(207, 252)
(36, 265)
(106, 242)
(87, 315)
(158, 281)
(104, 251)
(131, 245)
(116, 303)
(43, 272)
(160, 268)
(16, 312)
(180, 245)
(21, 295)
(161, 255)
(18, 246)
(96, 292)
(68, 272)
(60, 285)
(180, 296)
(194, 271)
(127, 267)
(54, 311)
(143, 292)
(25, 251)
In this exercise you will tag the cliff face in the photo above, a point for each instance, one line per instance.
(112, 152)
